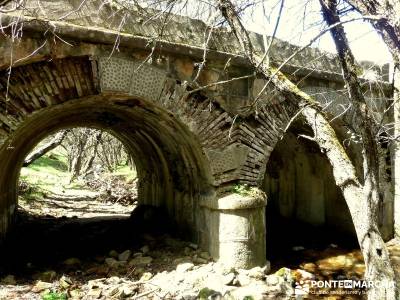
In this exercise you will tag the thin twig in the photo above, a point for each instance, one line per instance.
(145, 293)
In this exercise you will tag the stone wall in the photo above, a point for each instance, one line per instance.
(192, 145)
(300, 185)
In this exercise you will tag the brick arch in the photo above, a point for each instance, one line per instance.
(164, 133)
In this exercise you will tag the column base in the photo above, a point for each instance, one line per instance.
(235, 234)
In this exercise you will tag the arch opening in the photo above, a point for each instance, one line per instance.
(308, 223)
(78, 172)
(169, 162)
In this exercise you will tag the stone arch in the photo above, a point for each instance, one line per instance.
(300, 185)
(166, 132)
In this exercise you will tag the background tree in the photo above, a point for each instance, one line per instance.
(87, 151)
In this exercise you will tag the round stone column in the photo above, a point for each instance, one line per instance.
(235, 229)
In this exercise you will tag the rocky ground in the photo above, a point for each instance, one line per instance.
(83, 248)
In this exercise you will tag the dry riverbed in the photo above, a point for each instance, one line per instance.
(83, 248)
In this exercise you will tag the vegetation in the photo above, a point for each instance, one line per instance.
(54, 296)
(51, 173)
(48, 174)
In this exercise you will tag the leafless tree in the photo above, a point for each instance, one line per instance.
(88, 147)
(54, 142)
(362, 196)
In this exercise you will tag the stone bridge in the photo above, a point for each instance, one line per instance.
(196, 143)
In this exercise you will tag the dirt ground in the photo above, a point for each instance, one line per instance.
(79, 247)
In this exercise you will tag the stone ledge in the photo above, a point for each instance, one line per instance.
(235, 202)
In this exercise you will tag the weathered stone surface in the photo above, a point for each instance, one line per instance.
(140, 261)
(41, 286)
(9, 279)
(124, 256)
(187, 145)
(184, 267)
(130, 77)
(228, 159)
(238, 230)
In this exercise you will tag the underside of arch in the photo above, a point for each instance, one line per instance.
(171, 167)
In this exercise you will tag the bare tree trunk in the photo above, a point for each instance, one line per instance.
(388, 26)
(79, 156)
(358, 197)
(55, 142)
(89, 162)
(105, 158)
(377, 261)
(396, 158)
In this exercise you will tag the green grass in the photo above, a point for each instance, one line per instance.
(46, 172)
(54, 296)
(46, 175)
(49, 175)
(125, 172)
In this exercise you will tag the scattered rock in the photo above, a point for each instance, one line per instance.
(47, 276)
(204, 255)
(140, 261)
(73, 261)
(40, 286)
(199, 260)
(172, 242)
(9, 279)
(96, 283)
(94, 293)
(184, 267)
(298, 248)
(267, 267)
(181, 260)
(111, 262)
(113, 253)
(243, 279)
(207, 293)
(77, 294)
(98, 270)
(127, 291)
(99, 258)
(138, 271)
(65, 282)
(285, 274)
(303, 275)
(193, 246)
(113, 280)
(257, 273)
(309, 267)
(145, 249)
(124, 256)
(149, 237)
(254, 291)
(272, 279)
(146, 276)
(115, 292)
(228, 278)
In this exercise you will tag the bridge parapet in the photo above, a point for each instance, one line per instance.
(118, 22)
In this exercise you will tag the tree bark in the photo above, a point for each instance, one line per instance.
(389, 29)
(378, 266)
(89, 162)
(55, 142)
(388, 26)
(79, 155)
(358, 197)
